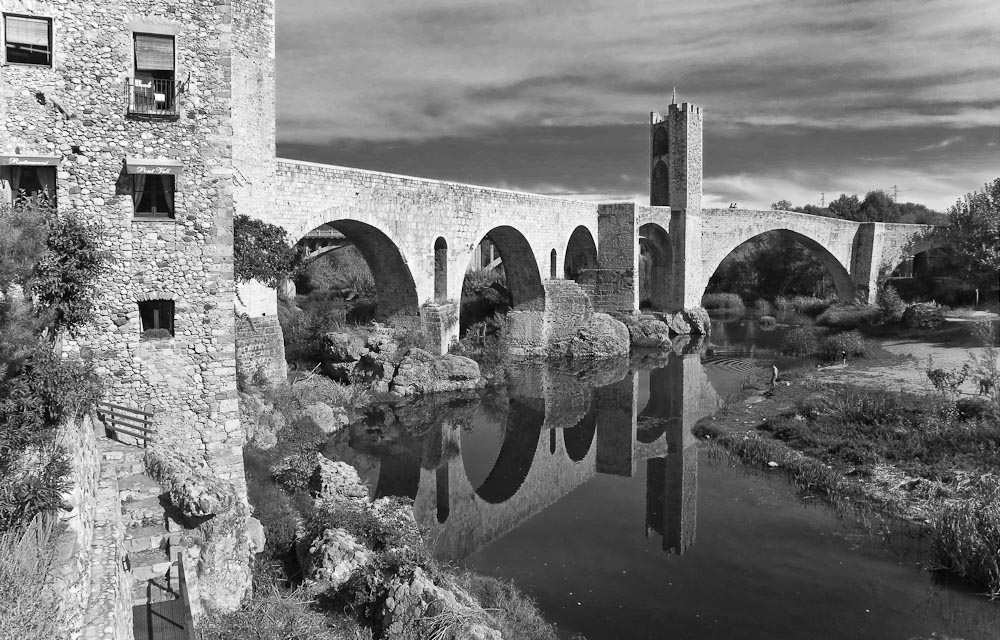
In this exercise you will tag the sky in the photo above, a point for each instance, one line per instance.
(800, 97)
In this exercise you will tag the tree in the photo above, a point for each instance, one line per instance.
(975, 234)
(877, 207)
(782, 205)
(845, 207)
(261, 252)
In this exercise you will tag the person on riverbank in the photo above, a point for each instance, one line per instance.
(774, 375)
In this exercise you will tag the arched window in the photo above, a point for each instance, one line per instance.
(552, 264)
(440, 270)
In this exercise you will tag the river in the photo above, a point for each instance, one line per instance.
(585, 486)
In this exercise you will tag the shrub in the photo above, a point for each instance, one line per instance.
(762, 307)
(809, 305)
(516, 613)
(849, 316)
(800, 341)
(723, 302)
(852, 343)
(891, 304)
(478, 279)
(31, 603)
(767, 322)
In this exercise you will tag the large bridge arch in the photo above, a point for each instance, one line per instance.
(580, 254)
(521, 266)
(395, 288)
(714, 254)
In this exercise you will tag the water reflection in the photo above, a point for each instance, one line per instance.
(479, 465)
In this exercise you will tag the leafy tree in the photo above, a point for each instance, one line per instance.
(846, 207)
(877, 207)
(974, 233)
(262, 252)
(782, 205)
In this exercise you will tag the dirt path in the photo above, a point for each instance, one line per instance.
(910, 375)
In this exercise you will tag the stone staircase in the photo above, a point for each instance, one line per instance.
(151, 537)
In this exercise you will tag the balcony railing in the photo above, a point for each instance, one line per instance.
(152, 97)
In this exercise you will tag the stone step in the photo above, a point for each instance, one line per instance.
(138, 513)
(136, 487)
(160, 589)
(150, 564)
(149, 537)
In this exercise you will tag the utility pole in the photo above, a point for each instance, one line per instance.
(895, 193)
(822, 199)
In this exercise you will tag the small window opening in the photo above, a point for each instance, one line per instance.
(153, 195)
(28, 40)
(552, 264)
(440, 270)
(157, 318)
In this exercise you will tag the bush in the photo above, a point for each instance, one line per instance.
(801, 341)
(853, 343)
(806, 305)
(767, 322)
(849, 316)
(261, 252)
(762, 307)
(891, 304)
(31, 603)
(966, 536)
(478, 279)
(517, 614)
(730, 302)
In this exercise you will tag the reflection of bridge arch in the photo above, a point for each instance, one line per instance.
(579, 439)
(520, 443)
(838, 271)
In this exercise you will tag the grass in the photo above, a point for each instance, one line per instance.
(30, 608)
(805, 305)
(516, 613)
(929, 459)
(849, 316)
(729, 302)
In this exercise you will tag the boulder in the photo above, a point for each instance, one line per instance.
(698, 319)
(336, 481)
(255, 533)
(646, 331)
(412, 605)
(601, 337)
(421, 372)
(923, 316)
(341, 347)
(677, 324)
(324, 417)
(331, 559)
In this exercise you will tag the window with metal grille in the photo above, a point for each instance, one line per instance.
(153, 195)
(28, 40)
(153, 86)
(157, 318)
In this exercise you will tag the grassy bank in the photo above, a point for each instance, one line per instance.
(931, 459)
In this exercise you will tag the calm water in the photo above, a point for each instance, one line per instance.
(586, 487)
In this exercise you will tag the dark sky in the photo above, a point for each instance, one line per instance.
(553, 96)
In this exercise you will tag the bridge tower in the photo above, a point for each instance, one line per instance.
(675, 181)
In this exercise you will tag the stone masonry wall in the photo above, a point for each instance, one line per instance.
(260, 346)
(91, 575)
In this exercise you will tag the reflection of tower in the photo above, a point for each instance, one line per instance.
(672, 498)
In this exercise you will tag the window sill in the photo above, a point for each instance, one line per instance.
(147, 116)
(154, 219)
(29, 65)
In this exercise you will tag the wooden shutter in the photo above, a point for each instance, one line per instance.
(31, 31)
(154, 53)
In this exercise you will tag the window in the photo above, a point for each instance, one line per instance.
(34, 183)
(153, 91)
(152, 195)
(157, 318)
(28, 40)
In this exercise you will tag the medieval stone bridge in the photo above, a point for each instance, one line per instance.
(419, 237)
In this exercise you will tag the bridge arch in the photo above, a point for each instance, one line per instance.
(580, 254)
(524, 281)
(842, 281)
(655, 266)
(395, 289)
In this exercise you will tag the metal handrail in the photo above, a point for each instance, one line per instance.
(152, 96)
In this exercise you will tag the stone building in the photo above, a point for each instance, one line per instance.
(155, 121)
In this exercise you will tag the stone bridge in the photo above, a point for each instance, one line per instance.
(419, 237)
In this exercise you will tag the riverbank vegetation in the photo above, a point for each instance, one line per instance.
(31, 602)
(930, 458)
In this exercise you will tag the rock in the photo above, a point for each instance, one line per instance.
(324, 417)
(411, 607)
(677, 324)
(646, 331)
(698, 319)
(602, 337)
(923, 316)
(341, 347)
(421, 372)
(331, 559)
(336, 481)
(340, 371)
(255, 532)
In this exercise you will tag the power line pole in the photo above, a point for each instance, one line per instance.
(895, 193)
(822, 199)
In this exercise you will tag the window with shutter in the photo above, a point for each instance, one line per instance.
(28, 40)
(153, 90)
